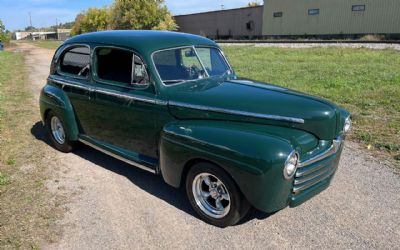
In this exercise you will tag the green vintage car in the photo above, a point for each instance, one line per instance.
(171, 104)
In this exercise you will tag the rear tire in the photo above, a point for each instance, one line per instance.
(58, 134)
(214, 195)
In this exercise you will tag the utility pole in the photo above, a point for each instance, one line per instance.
(30, 19)
(57, 28)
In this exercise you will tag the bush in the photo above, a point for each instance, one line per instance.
(372, 37)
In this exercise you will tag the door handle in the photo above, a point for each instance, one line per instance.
(89, 92)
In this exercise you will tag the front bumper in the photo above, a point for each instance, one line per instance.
(315, 174)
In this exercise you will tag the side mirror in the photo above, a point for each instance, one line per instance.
(190, 53)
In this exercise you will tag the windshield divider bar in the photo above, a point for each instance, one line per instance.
(202, 65)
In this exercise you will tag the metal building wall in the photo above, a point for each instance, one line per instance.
(335, 17)
(223, 24)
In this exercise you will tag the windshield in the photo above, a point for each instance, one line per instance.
(189, 63)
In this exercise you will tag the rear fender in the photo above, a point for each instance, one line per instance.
(54, 99)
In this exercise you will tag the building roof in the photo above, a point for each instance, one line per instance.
(144, 41)
(223, 10)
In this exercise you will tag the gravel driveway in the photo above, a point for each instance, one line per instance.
(115, 206)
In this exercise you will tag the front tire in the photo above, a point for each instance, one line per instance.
(214, 195)
(57, 133)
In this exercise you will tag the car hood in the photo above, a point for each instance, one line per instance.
(250, 101)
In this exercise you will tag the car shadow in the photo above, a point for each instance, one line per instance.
(152, 184)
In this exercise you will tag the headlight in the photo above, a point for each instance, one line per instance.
(347, 125)
(291, 165)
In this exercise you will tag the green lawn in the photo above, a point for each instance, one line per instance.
(364, 81)
(26, 207)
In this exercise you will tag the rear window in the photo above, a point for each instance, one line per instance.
(76, 61)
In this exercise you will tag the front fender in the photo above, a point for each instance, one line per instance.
(252, 154)
(55, 99)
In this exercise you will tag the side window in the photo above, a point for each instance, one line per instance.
(120, 67)
(139, 72)
(76, 61)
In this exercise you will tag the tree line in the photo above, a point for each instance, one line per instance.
(125, 15)
(67, 25)
(5, 35)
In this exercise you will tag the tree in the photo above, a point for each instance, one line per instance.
(253, 4)
(76, 29)
(30, 28)
(125, 15)
(141, 14)
(4, 35)
(94, 19)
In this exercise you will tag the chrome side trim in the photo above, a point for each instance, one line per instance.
(72, 84)
(131, 97)
(118, 157)
(330, 151)
(78, 85)
(235, 112)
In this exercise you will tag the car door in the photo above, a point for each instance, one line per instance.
(73, 75)
(126, 106)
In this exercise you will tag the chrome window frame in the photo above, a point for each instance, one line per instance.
(97, 79)
(184, 47)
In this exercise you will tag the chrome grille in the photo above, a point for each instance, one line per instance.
(316, 169)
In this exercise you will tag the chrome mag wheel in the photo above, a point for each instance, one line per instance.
(211, 195)
(57, 130)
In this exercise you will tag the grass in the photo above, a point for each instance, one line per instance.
(364, 81)
(27, 209)
(4, 180)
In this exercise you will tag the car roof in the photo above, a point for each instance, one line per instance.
(144, 41)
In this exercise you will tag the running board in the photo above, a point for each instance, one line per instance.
(130, 162)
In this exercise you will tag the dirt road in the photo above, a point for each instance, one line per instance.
(115, 206)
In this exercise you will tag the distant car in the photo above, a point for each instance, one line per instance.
(171, 104)
(1, 46)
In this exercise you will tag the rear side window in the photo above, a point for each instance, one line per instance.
(121, 67)
(76, 61)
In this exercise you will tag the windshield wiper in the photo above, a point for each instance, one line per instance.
(173, 81)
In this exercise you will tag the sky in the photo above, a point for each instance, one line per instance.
(45, 13)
